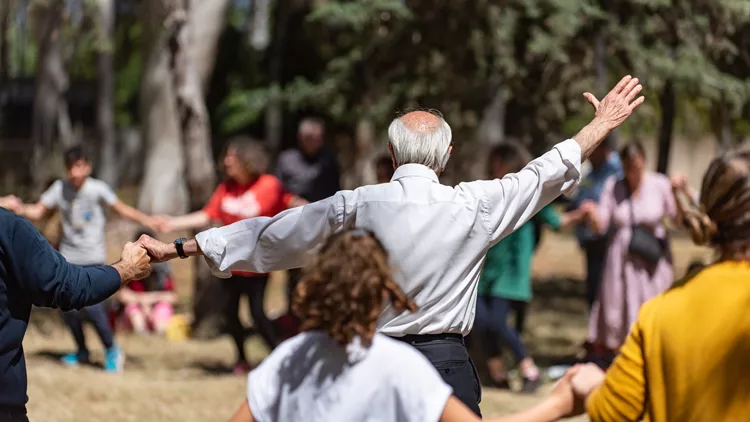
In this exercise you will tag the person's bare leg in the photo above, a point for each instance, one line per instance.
(496, 368)
(137, 318)
(529, 369)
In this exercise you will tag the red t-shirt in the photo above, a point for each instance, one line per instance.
(232, 202)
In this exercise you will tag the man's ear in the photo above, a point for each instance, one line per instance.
(393, 156)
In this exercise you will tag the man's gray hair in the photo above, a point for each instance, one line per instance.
(309, 122)
(426, 145)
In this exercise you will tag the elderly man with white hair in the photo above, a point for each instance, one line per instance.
(437, 235)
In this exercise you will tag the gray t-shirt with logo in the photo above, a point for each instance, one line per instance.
(83, 219)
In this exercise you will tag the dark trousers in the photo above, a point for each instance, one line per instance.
(448, 354)
(255, 289)
(13, 414)
(293, 278)
(97, 315)
(596, 254)
(492, 317)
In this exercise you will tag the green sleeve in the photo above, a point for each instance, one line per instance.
(549, 216)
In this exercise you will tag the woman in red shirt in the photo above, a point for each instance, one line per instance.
(247, 192)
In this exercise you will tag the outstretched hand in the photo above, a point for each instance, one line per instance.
(134, 263)
(588, 377)
(619, 103)
(567, 402)
(157, 250)
(161, 223)
(12, 203)
(679, 182)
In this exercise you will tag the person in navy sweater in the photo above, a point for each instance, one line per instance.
(33, 273)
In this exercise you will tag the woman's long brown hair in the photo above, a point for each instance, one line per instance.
(722, 219)
(343, 292)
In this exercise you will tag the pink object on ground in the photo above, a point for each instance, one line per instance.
(162, 313)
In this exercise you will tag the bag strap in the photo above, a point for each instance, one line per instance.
(630, 199)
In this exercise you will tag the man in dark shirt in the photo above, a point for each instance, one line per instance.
(33, 273)
(309, 171)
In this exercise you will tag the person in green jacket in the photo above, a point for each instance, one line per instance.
(505, 284)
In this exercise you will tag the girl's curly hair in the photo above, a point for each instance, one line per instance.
(343, 292)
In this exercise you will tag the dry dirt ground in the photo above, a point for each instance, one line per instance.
(187, 382)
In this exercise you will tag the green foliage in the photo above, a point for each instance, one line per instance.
(368, 59)
(128, 71)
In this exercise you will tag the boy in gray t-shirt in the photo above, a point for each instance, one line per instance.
(81, 200)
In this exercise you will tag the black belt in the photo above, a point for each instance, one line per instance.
(424, 338)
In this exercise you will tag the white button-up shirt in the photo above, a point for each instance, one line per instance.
(437, 236)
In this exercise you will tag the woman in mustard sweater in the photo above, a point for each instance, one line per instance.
(687, 357)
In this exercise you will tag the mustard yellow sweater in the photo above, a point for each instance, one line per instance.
(687, 358)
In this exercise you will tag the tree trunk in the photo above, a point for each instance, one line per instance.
(189, 69)
(194, 121)
(722, 126)
(163, 190)
(51, 85)
(667, 101)
(492, 127)
(361, 170)
(207, 19)
(5, 10)
(108, 167)
(258, 25)
(274, 112)
(602, 84)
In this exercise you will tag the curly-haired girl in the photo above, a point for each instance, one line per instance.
(340, 369)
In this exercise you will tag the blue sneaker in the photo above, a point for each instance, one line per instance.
(114, 360)
(74, 359)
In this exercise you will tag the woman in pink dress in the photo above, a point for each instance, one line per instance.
(629, 278)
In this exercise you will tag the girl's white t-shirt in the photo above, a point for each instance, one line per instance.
(311, 378)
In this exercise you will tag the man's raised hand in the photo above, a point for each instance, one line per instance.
(610, 113)
(619, 103)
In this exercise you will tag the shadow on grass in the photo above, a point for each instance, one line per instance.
(564, 296)
(212, 368)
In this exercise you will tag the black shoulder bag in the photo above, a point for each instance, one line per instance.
(643, 243)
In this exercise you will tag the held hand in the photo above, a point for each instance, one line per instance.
(12, 203)
(679, 182)
(162, 223)
(565, 401)
(135, 264)
(158, 251)
(589, 208)
(587, 379)
(619, 103)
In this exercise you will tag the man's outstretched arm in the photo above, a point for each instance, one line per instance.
(264, 244)
(514, 199)
(51, 281)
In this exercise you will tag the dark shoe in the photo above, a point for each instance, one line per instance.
(531, 385)
(241, 368)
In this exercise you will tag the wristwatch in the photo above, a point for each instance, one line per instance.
(178, 246)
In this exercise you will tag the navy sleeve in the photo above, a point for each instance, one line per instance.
(49, 279)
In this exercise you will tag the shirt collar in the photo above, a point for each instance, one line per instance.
(414, 170)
